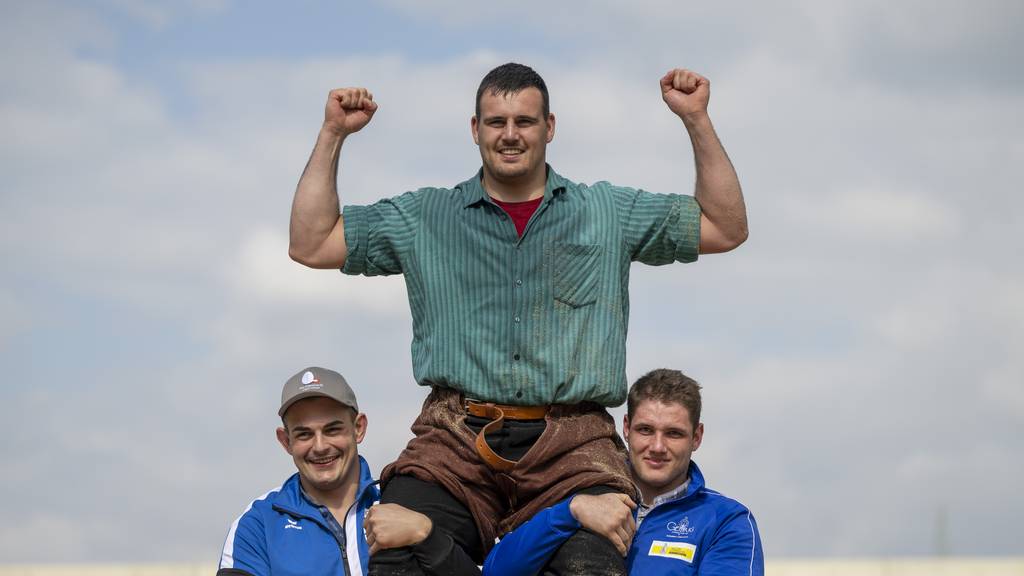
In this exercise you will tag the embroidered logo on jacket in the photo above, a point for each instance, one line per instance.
(676, 550)
(292, 524)
(682, 529)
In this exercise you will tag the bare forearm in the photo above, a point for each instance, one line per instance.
(316, 209)
(317, 227)
(723, 220)
(718, 188)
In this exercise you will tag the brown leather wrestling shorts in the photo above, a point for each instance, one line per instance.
(578, 449)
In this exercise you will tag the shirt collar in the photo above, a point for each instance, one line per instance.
(673, 494)
(309, 499)
(475, 193)
(694, 482)
(643, 509)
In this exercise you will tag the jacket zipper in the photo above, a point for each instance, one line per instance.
(344, 559)
(344, 534)
(344, 542)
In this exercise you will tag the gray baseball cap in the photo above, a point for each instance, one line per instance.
(316, 381)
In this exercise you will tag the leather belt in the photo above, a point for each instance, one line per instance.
(486, 410)
(497, 413)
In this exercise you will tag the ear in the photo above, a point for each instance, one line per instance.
(473, 125)
(551, 127)
(360, 427)
(625, 427)
(698, 435)
(282, 437)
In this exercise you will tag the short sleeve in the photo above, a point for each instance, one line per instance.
(379, 236)
(658, 229)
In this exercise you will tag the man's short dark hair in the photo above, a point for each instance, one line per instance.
(510, 79)
(664, 385)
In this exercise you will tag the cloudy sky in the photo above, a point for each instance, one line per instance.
(863, 393)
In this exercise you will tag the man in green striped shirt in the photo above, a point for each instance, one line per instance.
(517, 281)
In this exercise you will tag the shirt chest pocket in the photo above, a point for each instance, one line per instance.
(576, 271)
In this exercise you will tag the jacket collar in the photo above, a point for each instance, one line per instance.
(292, 500)
(694, 484)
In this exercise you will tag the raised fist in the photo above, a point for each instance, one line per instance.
(348, 110)
(685, 92)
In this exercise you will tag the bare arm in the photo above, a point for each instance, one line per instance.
(723, 221)
(317, 235)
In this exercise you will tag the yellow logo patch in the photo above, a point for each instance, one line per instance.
(678, 550)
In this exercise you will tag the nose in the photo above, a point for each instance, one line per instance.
(510, 132)
(319, 444)
(657, 443)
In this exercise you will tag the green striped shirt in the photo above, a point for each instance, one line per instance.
(539, 319)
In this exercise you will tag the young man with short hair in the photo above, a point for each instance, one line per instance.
(312, 524)
(681, 526)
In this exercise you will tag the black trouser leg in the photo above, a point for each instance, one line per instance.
(447, 515)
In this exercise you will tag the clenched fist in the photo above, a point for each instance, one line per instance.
(686, 93)
(348, 110)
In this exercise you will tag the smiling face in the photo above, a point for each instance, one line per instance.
(512, 132)
(322, 435)
(661, 439)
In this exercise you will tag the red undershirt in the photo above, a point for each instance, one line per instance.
(520, 212)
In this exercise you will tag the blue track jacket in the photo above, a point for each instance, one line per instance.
(283, 534)
(701, 532)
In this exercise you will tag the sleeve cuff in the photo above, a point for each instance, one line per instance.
(355, 239)
(688, 222)
(561, 519)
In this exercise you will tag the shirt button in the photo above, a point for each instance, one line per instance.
(515, 356)
(519, 394)
(516, 319)
(519, 282)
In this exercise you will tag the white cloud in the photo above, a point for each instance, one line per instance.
(265, 275)
(157, 14)
(920, 322)
(15, 317)
(875, 215)
(924, 25)
(43, 527)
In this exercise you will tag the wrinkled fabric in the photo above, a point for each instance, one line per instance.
(578, 449)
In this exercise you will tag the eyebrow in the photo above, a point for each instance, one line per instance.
(328, 425)
(642, 424)
(518, 117)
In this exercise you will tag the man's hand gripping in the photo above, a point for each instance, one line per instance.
(608, 515)
(394, 526)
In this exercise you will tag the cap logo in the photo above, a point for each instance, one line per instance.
(310, 382)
